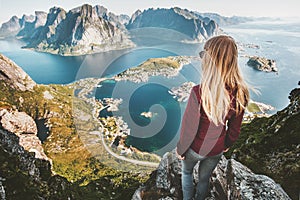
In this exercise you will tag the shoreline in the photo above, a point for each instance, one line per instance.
(88, 86)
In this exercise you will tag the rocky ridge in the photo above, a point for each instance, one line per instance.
(14, 76)
(79, 31)
(117, 20)
(177, 19)
(31, 28)
(230, 180)
(14, 25)
(82, 30)
(25, 177)
(270, 146)
(25, 128)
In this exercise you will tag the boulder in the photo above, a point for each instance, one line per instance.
(25, 128)
(14, 76)
(17, 122)
(230, 180)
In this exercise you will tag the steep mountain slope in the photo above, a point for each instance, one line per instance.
(30, 28)
(79, 31)
(271, 146)
(13, 76)
(82, 30)
(117, 20)
(177, 19)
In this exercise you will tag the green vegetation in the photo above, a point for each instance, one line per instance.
(154, 63)
(71, 159)
(270, 146)
(253, 107)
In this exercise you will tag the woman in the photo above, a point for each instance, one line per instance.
(213, 116)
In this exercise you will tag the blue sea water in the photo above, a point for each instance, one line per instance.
(277, 40)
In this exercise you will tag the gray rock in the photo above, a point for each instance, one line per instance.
(30, 28)
(2, 190)
(14, 75)
(262, 64)
(180, 20)
(17, 122)
(117, 20)
(20, 27)
(10, 28)
(25, 128)
(230, 180)
(82, 30)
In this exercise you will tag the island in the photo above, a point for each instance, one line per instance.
(168, 67)
(262, 64)
(147, 114)
(182, 92)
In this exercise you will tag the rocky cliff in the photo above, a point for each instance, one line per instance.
(177, 19)
(22, 176)
(117, 20)
(271, 146)
(230, 180)
(31, 28)
(13, 76)
(82, 30)
(16, 25)
(25, 128)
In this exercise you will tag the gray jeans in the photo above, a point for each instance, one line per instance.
(206, 166)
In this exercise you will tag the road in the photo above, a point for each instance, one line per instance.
(137, 162)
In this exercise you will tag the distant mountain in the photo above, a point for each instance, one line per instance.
(24, 27)
(14, 25)
(117, 20)
(177, 19)
(82, 30)
(30, 28)
(79, 31)
(223, 21)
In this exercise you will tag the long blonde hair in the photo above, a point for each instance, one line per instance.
(220, 72)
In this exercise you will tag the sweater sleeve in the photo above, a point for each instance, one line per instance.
(189, 124)
(234, 129)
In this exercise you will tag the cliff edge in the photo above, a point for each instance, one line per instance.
(230, 180)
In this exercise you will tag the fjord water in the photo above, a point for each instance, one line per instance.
(277, 40)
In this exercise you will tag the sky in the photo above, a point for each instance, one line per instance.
(258, 8)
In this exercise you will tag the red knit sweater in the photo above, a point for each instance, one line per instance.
(210, 139)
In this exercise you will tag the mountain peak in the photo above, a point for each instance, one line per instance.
(181, 20)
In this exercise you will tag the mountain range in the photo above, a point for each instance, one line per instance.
(87, 29)
(181, 20)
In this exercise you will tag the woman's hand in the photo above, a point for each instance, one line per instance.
(180, 157)
(225, 150)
